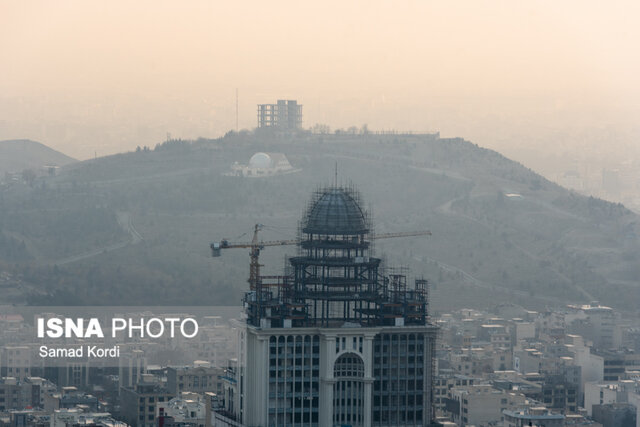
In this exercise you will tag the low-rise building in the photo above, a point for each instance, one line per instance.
(443, 383)
(139, 404)
(189, 409)
(18, 394)
(200, 378)
(481, 405)
(600, 393)
(615, 414)
(16, 361)
(536, 417)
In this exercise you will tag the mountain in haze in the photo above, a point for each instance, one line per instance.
(19, 154)
(136, 227)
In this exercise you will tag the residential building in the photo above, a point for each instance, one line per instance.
(481, 404)
(139, 403)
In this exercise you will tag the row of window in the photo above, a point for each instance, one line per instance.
(294, 359)
(291, 339)
(385, 417)
(343, 344)
(152, 399)
(304, 377)
(290, 351)
(394, 385)
(298, 417)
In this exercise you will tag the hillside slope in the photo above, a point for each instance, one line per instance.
(20, 154)
(500, 231)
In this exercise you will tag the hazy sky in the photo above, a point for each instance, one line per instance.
(105, 76)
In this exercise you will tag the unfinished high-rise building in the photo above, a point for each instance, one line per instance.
(336, 341)
(285, 114)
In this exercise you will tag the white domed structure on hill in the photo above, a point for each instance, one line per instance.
(263, 165)
(260, 161)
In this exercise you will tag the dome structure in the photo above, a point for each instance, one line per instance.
(335, 211)
(260, 161)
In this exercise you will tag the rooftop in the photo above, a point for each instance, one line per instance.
(533, 414)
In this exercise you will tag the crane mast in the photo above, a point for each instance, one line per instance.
(254, 264)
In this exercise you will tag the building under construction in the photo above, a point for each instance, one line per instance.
(285, 114)
(335, 341)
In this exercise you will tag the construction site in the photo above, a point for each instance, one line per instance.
(334, 279)
(337, 339)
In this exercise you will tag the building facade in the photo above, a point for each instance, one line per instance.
(17, 394)
(481, 404)
(139, 404)
(198, 379)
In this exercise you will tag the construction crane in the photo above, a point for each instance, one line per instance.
(256, 246)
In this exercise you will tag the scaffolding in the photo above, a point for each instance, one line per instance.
(334, 280)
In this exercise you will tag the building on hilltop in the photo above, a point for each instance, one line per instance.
(285, 114)
(262, 165)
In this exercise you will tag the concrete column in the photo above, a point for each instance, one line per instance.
(367, 353)
(262, 371)
(327, 358)
(256, 390)
(368, 392)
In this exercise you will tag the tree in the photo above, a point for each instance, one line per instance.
(321, 128)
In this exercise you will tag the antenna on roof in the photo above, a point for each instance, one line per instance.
(335, 180)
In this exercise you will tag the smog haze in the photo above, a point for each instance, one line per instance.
(91, 78)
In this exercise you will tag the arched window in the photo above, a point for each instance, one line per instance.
(348, 390)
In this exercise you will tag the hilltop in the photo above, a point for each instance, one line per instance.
(135, 227)
(19, 154)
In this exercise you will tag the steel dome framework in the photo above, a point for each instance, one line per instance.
(335, 280)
